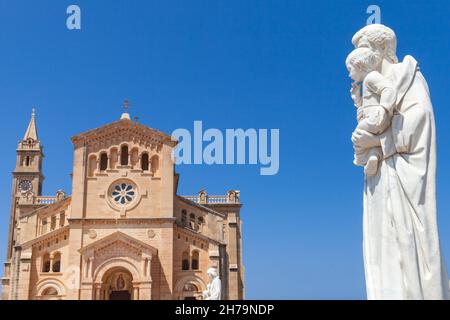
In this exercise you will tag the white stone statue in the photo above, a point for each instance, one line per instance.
(395, 141)
(214, 288)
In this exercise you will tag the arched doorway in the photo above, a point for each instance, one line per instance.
(117, 284)
(190, 288)
(190, 292)
(50, 289)
(50, 293)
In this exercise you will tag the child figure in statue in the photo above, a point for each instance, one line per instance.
(374, 96)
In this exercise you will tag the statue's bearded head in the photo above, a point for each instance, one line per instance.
(212, 273)
(378, 38)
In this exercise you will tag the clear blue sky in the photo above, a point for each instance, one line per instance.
(231, 64)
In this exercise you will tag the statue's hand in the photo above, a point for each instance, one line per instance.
(355, 93)
(364, 140)
(359, 114)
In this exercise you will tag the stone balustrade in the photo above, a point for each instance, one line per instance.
(203, 198)
(46, 200)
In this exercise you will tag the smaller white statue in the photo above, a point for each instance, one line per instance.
(374, 96)
(214, 288)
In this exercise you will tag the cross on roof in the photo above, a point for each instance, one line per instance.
(126, 105)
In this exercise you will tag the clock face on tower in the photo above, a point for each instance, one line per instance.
(25, 186)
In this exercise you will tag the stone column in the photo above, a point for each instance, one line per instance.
(90, 263)
(97, 170)
(109, 162)
(143, 266)
(146, 262)
(51, 262)
(145, 287)
(88, 267)
(149, 268)
(139, 162)
(98, 291)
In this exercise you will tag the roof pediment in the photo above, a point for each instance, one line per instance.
(116, 237)
(125, 127)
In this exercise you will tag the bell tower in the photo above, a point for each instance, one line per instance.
(27, 176)
(28, 171)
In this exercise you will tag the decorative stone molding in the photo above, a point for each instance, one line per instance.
(157, 222)
(92, 234)
(119, 131)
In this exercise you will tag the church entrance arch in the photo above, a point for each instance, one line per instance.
(117, 284)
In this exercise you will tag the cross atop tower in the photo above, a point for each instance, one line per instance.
(126, 106)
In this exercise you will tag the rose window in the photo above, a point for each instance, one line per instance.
(123, 193)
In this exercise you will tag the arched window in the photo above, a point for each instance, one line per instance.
(46, 263)
(192, 221)
(195, 260)
(184, 218)
(144, 162)
(124, 156)
(56, 266)
(185, 261)
(27, 161)
(103, 162)
(155, 164)
(92, 165)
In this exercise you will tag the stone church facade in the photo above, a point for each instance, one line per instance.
(124, 233)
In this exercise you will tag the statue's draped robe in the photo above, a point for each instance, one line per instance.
(214, 289)
(402, 254)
